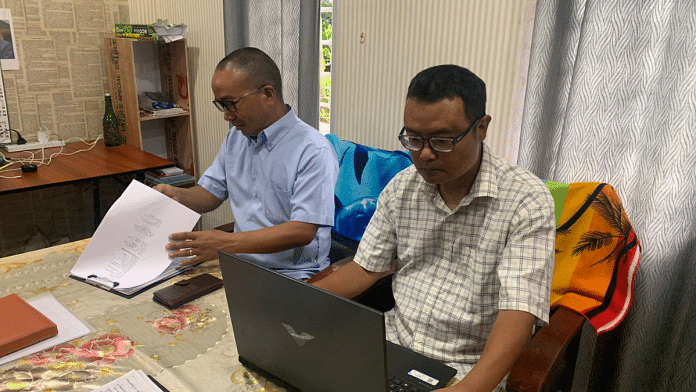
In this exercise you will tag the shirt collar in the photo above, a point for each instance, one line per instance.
(485, 184)
(276, 131)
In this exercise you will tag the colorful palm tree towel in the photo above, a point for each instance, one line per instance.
(597, 253)
(363, 173)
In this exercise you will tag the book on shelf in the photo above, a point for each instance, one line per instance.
(139, 31)
(182, 180)
(160, 30)
(162, 112)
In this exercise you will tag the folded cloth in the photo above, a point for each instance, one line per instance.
(597, 253)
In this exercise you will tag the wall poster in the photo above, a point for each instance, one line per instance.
(8, 54)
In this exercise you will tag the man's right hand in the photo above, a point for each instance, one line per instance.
(350, 280)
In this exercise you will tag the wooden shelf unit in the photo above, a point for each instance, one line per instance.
(136, 66)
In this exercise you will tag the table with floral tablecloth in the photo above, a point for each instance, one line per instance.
(190, 348)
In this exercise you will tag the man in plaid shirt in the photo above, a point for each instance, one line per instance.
(469, 236)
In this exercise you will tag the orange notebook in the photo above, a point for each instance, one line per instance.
(21, 325)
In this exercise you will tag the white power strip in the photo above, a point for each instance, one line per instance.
(33, 146)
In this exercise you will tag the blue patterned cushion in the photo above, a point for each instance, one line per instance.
(363, 173)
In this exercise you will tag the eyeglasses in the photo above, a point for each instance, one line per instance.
(231, 106)
(440, 144)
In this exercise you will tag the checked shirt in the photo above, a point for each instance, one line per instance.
(458, 268)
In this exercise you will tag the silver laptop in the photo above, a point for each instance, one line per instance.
(308, 339)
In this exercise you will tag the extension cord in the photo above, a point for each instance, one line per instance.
(33, 146)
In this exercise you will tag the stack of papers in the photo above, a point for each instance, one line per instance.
(163, 112)
(127, 252)
(169, 32)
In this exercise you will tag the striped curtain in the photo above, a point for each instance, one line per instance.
(288, 31)
(611, 97)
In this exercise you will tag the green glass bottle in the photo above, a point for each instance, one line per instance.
(112, 129)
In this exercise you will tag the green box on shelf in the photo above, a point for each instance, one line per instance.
(128, 30)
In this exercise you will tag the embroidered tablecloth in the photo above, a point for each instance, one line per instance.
(187, 349)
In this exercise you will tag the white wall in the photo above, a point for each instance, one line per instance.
(206, 46)
(403, 37)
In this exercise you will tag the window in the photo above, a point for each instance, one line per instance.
(325, 67)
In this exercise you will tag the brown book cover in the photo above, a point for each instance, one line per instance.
(21, 325)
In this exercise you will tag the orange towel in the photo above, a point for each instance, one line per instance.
(597, 256)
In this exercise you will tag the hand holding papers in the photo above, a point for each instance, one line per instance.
(127, 252)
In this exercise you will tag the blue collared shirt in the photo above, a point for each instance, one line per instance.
(287, 174)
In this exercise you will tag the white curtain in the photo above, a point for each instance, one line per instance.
(611, 97)
(288, 31)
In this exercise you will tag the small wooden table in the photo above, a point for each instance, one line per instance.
(91, 165)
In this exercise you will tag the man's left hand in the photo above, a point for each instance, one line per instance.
(203, 245)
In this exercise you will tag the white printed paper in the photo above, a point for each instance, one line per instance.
(128, 247)
(133, 381)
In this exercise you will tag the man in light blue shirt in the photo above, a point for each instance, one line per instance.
(278, 172)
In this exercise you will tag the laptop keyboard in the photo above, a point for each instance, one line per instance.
(398, 384)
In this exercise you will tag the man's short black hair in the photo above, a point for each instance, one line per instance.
(257, 67)
(449, 81)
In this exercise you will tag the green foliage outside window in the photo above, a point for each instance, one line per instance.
(325, 66)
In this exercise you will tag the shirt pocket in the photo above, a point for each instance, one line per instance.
(276, 206)
(483, 286)
(458, 283)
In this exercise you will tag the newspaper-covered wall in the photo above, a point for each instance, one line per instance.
(62, 77)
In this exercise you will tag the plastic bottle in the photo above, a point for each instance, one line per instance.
(112, 129)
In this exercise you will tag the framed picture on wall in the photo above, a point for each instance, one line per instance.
(8, 53)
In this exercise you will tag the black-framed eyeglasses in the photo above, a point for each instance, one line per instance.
(231, 106)
(439, 144)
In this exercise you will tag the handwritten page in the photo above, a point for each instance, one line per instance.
(133, 381)
(69, 326)
(128, 247)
